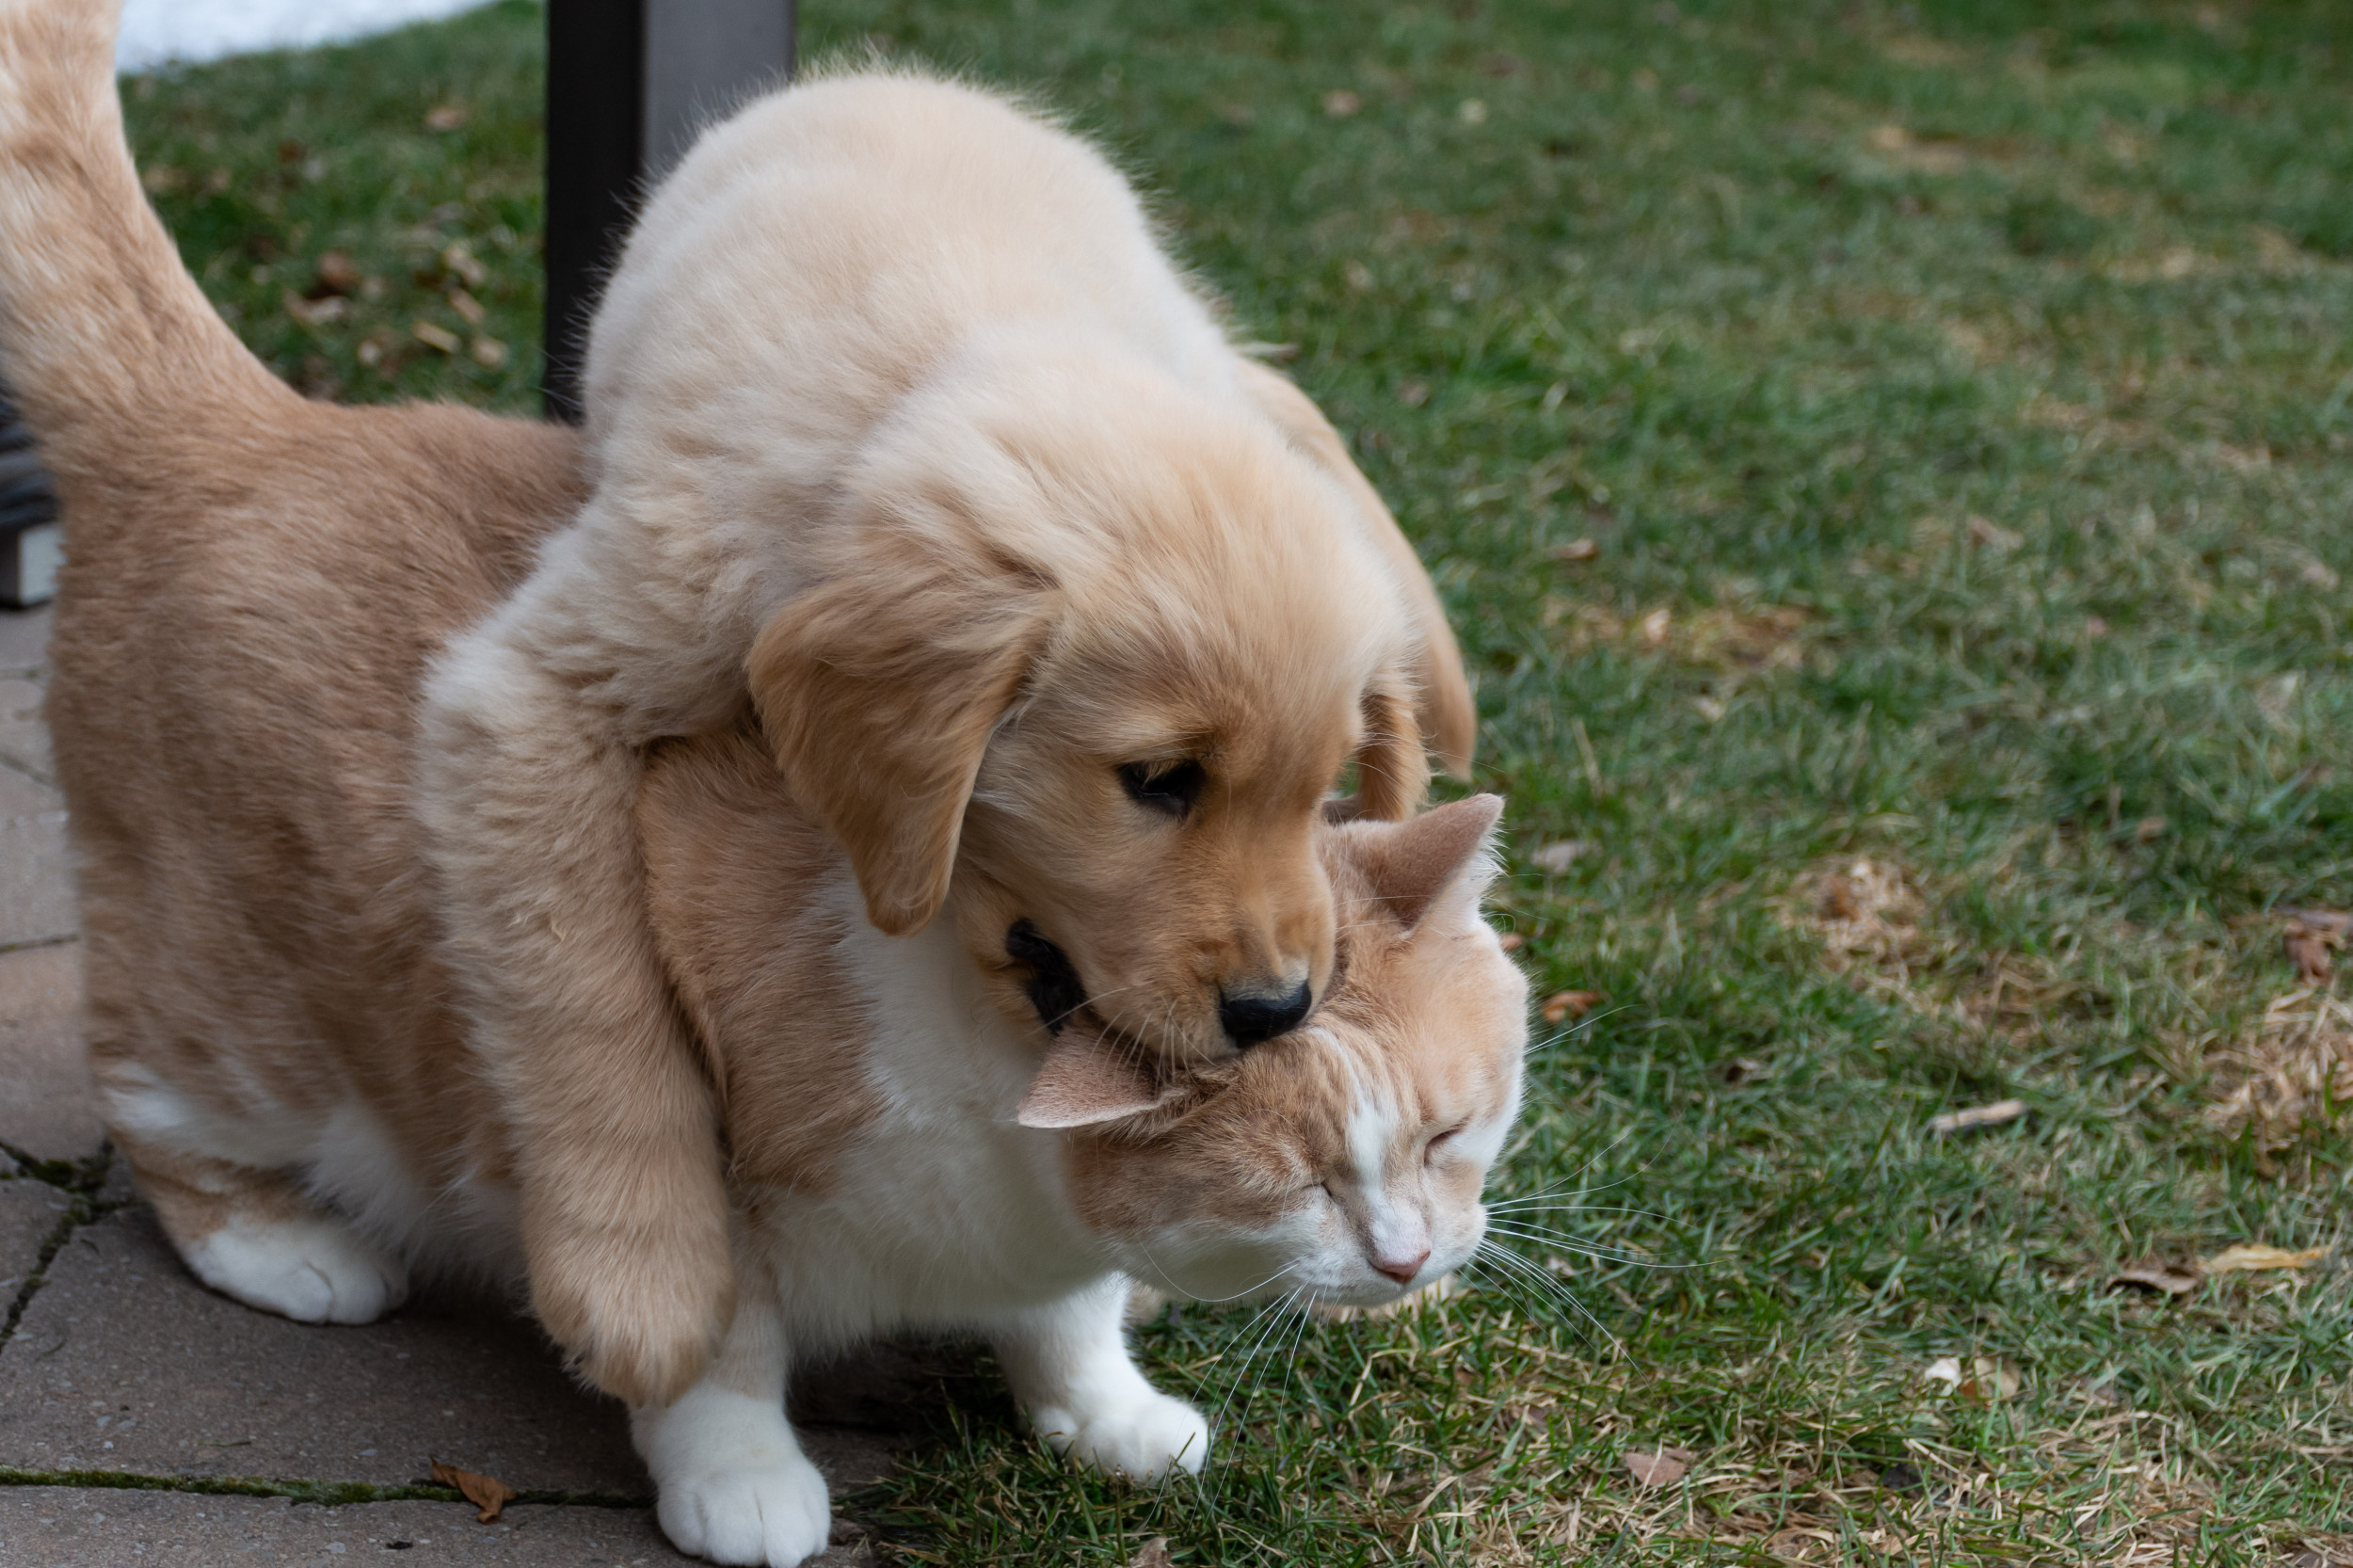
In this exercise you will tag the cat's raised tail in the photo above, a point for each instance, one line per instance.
(110, 349)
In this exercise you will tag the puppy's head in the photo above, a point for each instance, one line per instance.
(1097, 657)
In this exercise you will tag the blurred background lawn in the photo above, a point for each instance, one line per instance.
(1890, 468)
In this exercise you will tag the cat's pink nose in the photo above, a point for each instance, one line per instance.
(1402, 1271)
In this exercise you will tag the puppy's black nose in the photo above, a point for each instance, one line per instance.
(1249, 1020)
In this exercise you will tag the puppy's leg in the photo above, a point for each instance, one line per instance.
(251, 1235)
(733, 1483)
(1070, 1371)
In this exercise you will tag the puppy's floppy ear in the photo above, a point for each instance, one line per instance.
(1413, 865)
(1392, 770)
(1089, 1078)
(1443, 709)
(879, 689)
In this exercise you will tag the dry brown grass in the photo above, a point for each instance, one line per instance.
(2288, 1078)
(1745, 639)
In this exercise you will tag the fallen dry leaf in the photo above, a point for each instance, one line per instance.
(1993, 535)
(2161, 1277)
(1568, 1004)
(1977, 1116)
(1152, 1554)
(1341, 103)
(2247, 1258)
(337, 273)
(1413, 392)
(467, 306)
(1654, 627)
(1554, 859)
(445, 116)
(316, 312)
(2308, 935)
(2309, 955)
(487, 1495)
(464, 263)
(1981, 1379)
(489, 351)
(1736, 1070)
(1575, 550)
(1663, 1468)
(2337, 927)
(436, 336)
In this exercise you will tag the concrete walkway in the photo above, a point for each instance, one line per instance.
(144, 1418)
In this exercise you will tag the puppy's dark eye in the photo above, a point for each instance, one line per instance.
(1170, 787)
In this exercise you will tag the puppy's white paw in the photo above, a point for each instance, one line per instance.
(733, 1484)
(1143, 1436)
(314, 1269)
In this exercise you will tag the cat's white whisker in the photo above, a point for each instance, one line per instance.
(1270, 1316)
(1584, 1248)
(1539, 1280)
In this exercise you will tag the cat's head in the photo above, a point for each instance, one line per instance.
(1343, 1161)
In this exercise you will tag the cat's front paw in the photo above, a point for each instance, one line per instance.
(731, 1483)
(776, 1515)
(1143, 1436)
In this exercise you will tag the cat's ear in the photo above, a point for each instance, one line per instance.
(1089, 1078)
(1413, 864)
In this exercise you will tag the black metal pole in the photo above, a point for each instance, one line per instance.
(628, 82)
(595, 148)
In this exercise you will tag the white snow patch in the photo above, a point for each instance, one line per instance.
(161, 32)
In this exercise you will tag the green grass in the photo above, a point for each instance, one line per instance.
(1958, 397)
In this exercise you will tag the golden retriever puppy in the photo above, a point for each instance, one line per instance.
(1060, 614)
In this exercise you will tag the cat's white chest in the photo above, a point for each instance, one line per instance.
(944, 1213)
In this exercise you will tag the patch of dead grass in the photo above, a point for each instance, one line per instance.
(2289, 1077)
(2108, 1486)
(1752, 639)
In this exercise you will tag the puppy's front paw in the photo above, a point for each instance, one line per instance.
(732, 1483)
(312, 1269)
(1143, 1436)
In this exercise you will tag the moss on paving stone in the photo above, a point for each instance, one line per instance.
(323, 1492)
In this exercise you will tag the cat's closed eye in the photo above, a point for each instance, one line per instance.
(1438, 1141)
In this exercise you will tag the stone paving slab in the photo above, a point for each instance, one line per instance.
(47, 1526)
(36, 875)
(23, 640)
(22, 795)
(45, 1104)
(29, 1213)
(123, 1362)
(24, 739)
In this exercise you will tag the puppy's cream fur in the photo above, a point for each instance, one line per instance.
(907, 438)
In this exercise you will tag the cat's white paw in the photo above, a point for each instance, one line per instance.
(1143, 1434)
(314, 1269)
(778, 1515)
(732, 1483)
